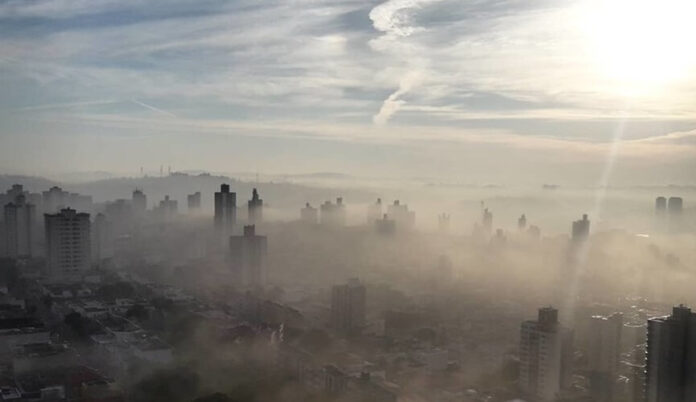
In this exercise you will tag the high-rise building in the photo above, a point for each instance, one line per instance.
(248, 256)
(309, 215)
(167, 209)
(56, 199)
(225, 210)
(675, 206)
(103, 238)
(581, 229)
(20, 218)
(374, 212)
(333, 214)
(671, 357)
(545, 356)
(405, 219)
(193, 202)
(385, 226)
(522, 222)
(348, 307)
(603, 350)
(487, 221)
(68, 244)
(660, 206)
(255, 208)
(139, 201)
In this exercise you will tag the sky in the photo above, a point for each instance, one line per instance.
(499, 91)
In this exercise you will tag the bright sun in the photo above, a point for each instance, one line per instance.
(644, 43)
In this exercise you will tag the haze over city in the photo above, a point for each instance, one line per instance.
(347, 201)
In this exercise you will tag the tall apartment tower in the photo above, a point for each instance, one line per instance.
(405, 219)
(603, 350)
(487, 222)
(580, 230)
(443, 223)
(545, 356)
(103, 240)
(68, 244)
(660, 206)
(522, 222)
(248, 256)
(255, 208)
(309, 215)
(225, 210)
(348, 307)
(675, 206)
(374, 212)
(193, 201)
(333, 214)
(671, 357)
(19, 226)
(139, 201)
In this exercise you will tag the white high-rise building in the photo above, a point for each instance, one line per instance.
(68, 244)
(603, 351)
(545, 356)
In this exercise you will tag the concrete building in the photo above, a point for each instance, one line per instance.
(603, 351)
(193, 202)
(167, 209)
(671, 357)
(248, 256)
(580, 230)
(68, 244)
(139, 201)
(374, 212)
(20, 222)
(545, 356)
(309, 215)
(385, 226)
(103, 238)
(255, 208)
(333, 214)
(348, 307)
(405, 219)
(675, 206)
(660, 206)
(487, 222)
(225, 210)
(522, 222)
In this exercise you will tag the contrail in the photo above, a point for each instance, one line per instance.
(154, 109)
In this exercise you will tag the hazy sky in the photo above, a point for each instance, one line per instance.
(477, 91)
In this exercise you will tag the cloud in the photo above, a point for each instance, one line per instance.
(392, 104)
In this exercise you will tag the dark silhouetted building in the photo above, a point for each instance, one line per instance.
(581, 229)
(248, 256)
(255, 208)
(348, 307)
(20, 223)
(309, 215)
(68, 244)
(545, 356)
(671, 357)
(225, 210)
(193, 202)
(139, 201)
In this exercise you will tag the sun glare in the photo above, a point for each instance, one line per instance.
(644, 43)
